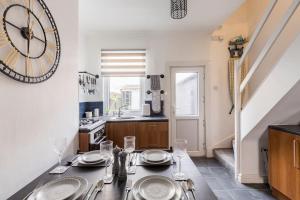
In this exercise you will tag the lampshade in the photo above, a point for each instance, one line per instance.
(178, 9)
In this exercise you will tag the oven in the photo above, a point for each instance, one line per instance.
(90, 140)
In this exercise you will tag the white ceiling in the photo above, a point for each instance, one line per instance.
(152, 15)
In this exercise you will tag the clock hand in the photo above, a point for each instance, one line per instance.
(15, 26)
(28, 38)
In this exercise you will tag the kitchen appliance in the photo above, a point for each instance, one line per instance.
(96, 112)
(88, 114)
(146, 110)
(90, 136)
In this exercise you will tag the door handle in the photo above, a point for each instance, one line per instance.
(296, 154)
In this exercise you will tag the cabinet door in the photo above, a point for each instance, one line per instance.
(297, 165)
(152, 135)
(282, 172)
(116, 132)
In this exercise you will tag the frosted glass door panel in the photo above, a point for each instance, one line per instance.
(187, 94)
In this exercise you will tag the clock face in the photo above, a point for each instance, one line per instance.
(29, 41)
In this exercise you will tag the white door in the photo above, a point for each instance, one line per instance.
(187, 107)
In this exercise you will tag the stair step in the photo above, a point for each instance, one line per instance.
(225, 157)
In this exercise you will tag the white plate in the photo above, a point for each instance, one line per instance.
(157, 188)
(168, 158)
(92, 157)
(163, 182)
(154, 155)
(80, 191)
(82, 162)
(59, 189)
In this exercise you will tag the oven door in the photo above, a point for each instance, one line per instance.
(96, 137)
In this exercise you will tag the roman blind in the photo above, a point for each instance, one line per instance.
(123, 62)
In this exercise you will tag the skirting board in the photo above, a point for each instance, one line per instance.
(252, 178)
(195, 153)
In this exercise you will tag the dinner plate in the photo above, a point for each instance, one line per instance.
(59, 189)
(82, 162)
(92, 157)
(167, 159)
(82, 188)
(142, 193)
(154, 155)
(157, 188)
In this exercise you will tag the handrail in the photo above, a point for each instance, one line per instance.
(257, 31)
(270, 43)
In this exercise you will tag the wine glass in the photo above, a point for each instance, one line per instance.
(180, 147)
(129, 147)
(106, 149)
(59, 147)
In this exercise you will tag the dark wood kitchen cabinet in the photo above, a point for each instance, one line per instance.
(284, 164)
(152, 135)
(116, 131)
(148, 134)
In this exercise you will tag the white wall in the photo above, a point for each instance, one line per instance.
(31, 114)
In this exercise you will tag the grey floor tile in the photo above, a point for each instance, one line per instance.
(242, 195)
(205, 172)
(220, 172)
(262, 194)
(214, 184)
(223, 195)
(224, 185)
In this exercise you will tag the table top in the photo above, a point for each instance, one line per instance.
(116, 190)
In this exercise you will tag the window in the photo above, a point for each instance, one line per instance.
(123, 72)
(121, 91)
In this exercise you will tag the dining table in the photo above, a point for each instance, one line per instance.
(116, 189)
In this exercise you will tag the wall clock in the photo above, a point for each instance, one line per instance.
(29, 41)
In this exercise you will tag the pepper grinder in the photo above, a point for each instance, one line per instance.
(122, 170)
(115, 169)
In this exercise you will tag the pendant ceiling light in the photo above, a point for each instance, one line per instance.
(178, 9)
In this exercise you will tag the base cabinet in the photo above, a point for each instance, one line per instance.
(148, 134)
(284, 164)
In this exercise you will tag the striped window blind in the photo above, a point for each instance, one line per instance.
(123, 62)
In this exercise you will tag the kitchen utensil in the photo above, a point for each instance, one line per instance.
(88, 114)
(128, 188)
(98, 188)
(88, 192)
(191, 187)
(185, 188)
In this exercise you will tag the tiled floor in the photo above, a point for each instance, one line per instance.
(225, 187)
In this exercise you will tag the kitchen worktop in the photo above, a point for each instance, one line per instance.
(136, 119)
(293, 129)
(111, 119)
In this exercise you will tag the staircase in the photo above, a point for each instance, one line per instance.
(225, 157)
(275, 100)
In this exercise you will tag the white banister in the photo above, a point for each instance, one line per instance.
(257, 31)
(237, 81)
(237, 117)
(270, 43)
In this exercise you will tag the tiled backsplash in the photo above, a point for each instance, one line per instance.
(90, 106)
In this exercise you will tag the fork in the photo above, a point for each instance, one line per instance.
(128, 188)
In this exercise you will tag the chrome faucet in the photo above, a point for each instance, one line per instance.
(119, 113)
